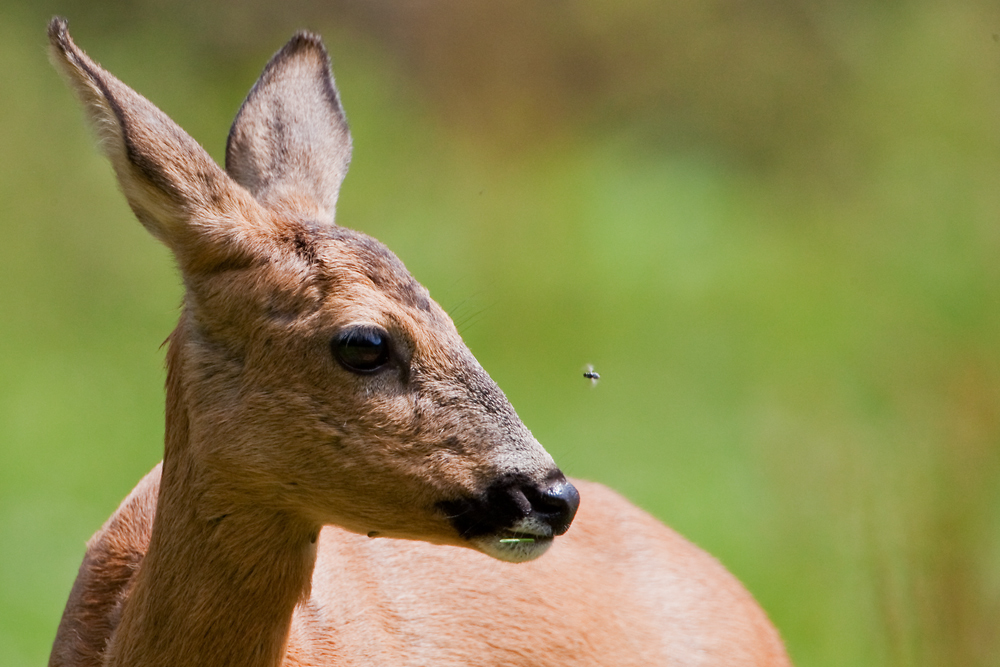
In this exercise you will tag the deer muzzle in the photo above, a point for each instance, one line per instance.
(515, 519)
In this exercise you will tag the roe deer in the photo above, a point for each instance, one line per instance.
(316, 397)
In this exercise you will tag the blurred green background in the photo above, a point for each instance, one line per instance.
(773, 226)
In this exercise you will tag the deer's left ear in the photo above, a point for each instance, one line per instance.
(290, 145)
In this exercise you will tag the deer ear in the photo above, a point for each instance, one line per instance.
(290, 145)
(175, 189)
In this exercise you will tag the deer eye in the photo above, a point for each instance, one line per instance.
(361, 349)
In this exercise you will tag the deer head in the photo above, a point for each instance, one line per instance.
(310, 374)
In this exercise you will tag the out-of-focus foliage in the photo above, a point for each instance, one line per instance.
(773, 226)
(736, 75)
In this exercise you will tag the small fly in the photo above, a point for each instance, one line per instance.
(591, 374)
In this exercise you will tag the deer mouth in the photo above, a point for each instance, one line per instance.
(515, 520)
(527, 540)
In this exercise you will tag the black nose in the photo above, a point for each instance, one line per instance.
(555, 504)
(511, 499)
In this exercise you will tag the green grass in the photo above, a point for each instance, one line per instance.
(800, 368)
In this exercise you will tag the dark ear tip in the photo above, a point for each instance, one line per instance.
(303, 40)
(59, 32)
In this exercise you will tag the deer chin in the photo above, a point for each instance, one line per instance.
(526, 540)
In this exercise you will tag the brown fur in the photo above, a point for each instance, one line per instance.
(220, 555)
(637, 594)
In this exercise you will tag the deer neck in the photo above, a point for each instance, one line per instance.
(212, 589)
